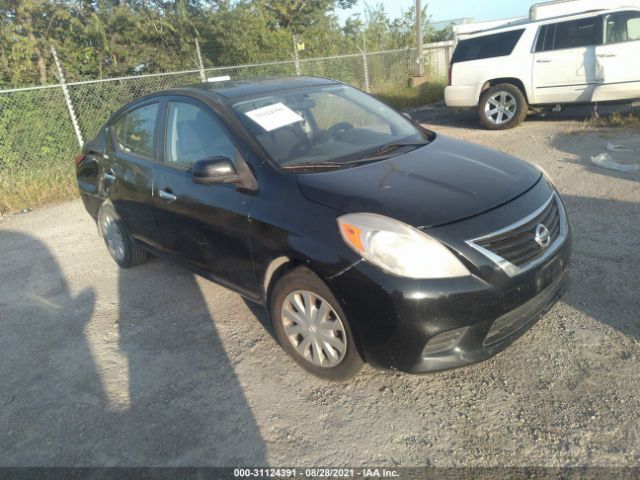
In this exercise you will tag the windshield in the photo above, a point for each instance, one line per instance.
(329, 126)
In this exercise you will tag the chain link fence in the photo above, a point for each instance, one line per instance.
(37, 131)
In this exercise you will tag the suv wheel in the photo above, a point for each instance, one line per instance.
(502, 107)
(122, 248)
(312, 328)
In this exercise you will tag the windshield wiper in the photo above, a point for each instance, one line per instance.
(312, 166)
(391, 147)
(384, 152)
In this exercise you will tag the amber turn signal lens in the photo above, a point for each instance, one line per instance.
(353, 236)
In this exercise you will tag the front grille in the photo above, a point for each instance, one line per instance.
(517, 245)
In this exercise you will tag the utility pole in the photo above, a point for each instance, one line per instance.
(419, 66)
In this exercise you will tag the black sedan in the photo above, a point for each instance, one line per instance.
(367, 237)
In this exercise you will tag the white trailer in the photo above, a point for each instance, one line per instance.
(542, 11)
(558, 8)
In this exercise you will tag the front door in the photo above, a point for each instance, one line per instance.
(206, 225)
(618, 69)
(564, 61)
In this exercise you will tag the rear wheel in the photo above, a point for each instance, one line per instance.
(312, 328)
(122, 248)
(503, 107)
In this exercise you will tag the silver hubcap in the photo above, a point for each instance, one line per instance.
(313, 328)
(113, 237)
(501, 107)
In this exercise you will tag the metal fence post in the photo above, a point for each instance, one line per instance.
(67, 98)
(201, 65)
(296, 59)
(365, 63)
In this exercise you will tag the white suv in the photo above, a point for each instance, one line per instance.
(574, 59)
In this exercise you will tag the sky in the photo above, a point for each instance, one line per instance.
(451, 9)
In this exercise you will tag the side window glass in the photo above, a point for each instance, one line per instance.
(623, 27)
(578, 33)
(134, 132)
(195, 133)
(542, 34)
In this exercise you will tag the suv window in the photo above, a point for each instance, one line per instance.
(134, 132)
(573, 34)
(545, 38)
(622, 27)
(488, 46)
(195, 133)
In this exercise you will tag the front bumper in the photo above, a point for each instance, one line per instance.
(425, 325)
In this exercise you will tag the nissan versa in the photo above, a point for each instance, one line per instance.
(367, 237)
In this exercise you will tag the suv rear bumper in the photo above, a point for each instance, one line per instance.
(462, 96)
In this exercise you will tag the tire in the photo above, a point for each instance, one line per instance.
(338, 350)
(122, 248)
(508, 103)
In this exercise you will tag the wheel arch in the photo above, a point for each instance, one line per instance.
(280, 267)
(516, 82)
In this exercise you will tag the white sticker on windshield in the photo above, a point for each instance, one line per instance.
(274, 116)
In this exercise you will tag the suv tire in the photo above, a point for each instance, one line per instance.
(502, 107)
(304, 311)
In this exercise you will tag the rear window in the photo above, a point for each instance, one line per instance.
(488, 46)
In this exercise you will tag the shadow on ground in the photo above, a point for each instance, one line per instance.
(164, 392)
(440, 114)
(581, 146)
(602, 284)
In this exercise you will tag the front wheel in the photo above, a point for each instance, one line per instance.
(312, 328)
(503, 107)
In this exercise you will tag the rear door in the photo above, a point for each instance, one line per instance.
(132, 151)
(564, 61)
(206, 225)
(617, 67)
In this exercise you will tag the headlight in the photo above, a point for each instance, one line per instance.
(398, 248)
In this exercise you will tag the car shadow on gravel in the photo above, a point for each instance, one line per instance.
(184, 393)
(604, 283)
(155, 389)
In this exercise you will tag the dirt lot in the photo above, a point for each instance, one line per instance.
(153, 366)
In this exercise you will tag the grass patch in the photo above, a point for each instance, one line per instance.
(30, 188)
(631, 120)
(402, 96)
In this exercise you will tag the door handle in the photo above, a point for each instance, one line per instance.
(110, 177)
(607, 55)
(543, 61)
(167, 196)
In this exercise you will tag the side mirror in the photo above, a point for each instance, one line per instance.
(214, 170)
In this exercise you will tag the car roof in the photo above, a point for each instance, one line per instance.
(235, 90)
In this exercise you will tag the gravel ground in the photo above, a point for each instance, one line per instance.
(154, 366)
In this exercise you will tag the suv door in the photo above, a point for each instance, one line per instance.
(617, 68)
(206, 225)
(128, 175)
(564, 65)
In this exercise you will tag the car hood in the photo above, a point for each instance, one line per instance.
(442, 182)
